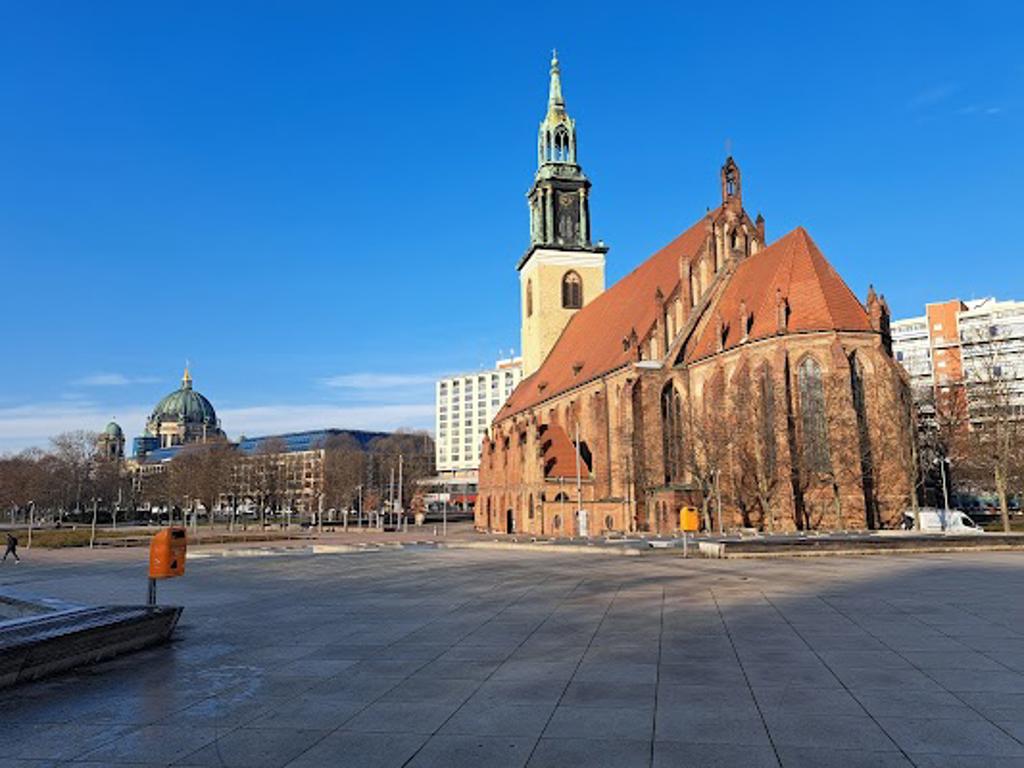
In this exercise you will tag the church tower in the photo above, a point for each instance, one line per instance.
(562, 270)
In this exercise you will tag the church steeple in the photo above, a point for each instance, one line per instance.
(556, 142)
(559, 208)
(186, 378)
(562, 270)
(555, 91)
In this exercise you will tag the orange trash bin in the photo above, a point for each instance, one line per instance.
(167, 553)
(689, 520)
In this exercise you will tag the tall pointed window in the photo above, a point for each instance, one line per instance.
(672, 433)
(572, 291)
(767, 421)
(529, 298)
(867, 469)
(812, 416)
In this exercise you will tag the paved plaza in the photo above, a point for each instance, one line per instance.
(454, 658)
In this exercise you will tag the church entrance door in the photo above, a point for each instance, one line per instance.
(510, 522)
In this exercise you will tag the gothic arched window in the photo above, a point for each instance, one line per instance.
(672, 433)
(529, 298)
(561, 145)
(767, 420)
(864, 438)
(572, 291)
(812, 416)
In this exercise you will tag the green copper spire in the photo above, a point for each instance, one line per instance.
(559, 207)
(555, 100)
(556, 141)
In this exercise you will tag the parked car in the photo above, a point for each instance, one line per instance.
(941, 521)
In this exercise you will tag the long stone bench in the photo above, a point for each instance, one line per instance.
(33, 646)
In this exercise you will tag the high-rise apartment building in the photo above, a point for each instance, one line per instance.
(465, 406)
(959, 342)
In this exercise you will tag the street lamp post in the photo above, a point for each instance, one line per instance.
(942, 462)
(92, 531)
(718, 502)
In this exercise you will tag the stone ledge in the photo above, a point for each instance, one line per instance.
(33, 646)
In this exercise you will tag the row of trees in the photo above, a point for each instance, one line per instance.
(972, 435)
(71, 477)
(352, 475)
(66, 479)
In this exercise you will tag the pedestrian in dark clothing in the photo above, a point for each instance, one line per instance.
(12, 547)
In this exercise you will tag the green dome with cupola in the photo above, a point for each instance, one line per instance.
(184, 416)
(185, 405)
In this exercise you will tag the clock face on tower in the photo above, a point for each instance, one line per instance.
(568, 218)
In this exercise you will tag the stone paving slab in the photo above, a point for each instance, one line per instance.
(475, 658)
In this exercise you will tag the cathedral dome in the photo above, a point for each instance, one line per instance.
(113, 429)
(185, 406)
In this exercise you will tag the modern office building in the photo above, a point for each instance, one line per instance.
(277, 471)
(465, 406)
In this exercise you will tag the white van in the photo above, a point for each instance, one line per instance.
(941, 521)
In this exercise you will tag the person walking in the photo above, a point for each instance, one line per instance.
(12, 548)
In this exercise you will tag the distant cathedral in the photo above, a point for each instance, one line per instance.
(719, 342)
(183, 417)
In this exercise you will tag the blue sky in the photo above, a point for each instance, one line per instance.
(321, 206)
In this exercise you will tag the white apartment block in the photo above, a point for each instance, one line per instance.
(465, 406)
(983, 340)
(912, 348)
(992, 344)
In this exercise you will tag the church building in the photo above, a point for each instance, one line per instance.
(726, 372)
(181, 418)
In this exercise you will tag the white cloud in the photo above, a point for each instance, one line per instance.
(974, 109)
(932, 96)
(379, 381)
(272, 419)
(33, 425)
(113, 380)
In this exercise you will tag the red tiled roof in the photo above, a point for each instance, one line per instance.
(593, 337)
(559, 452)
(818, 298)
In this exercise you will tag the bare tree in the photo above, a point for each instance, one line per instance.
(268, 474)
(753, 464)
(201, 473)
(26, 478)
(707, 444)
(74, 454)
(416, 449)
(992, 447)
(344, 465)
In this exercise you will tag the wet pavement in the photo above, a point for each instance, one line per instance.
(433, 657)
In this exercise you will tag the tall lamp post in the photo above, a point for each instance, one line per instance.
(942, 462)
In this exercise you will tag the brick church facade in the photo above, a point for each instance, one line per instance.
(725, 373)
